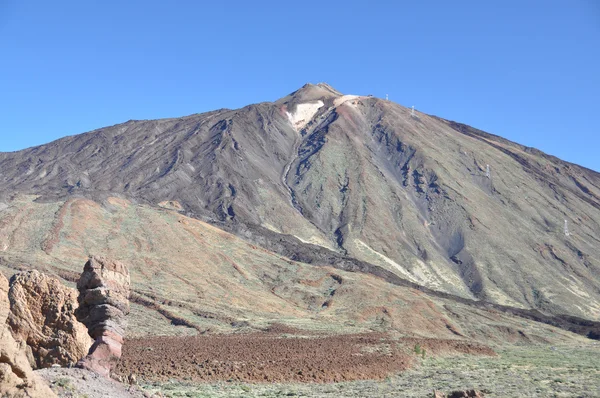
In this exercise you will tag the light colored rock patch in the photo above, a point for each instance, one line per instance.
(385, 259)
(441, 272)
(591, 307)
(423, 274)
(343, 99)
(314, 240)
(576, 290)
(497, 296)
(171, 205)
(3, 206)
(303, 114)
(271, 227)
(118, 202)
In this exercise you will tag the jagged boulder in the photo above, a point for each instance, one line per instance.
(42, 313)
(16, 375)
(104, 289)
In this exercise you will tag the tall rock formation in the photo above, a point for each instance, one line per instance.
(103, 304)
(42, 314)
(16, 376)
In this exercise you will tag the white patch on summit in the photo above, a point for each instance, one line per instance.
(303, 114)
(343, 99)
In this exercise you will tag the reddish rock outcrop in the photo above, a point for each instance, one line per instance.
(42, 313)
(16, 376)
(103, 304)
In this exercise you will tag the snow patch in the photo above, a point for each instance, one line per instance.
(303, 114)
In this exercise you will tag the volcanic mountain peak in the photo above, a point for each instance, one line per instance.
(304, 104)
(360, 178)
(311, 92)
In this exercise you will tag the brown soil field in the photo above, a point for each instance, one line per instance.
(272, 357)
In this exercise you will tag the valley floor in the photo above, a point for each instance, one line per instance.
(517, 371)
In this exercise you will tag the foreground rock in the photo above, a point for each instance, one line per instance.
(16, 376)
(42, 314)
(103, 304)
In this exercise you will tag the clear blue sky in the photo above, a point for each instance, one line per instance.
(527, 70)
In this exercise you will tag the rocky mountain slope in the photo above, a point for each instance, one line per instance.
(328, 178)
(188, 277)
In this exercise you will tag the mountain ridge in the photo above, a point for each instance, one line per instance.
(359, 176)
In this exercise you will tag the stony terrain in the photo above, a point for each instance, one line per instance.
(194, 278)
(275, 357)
(263, 358)
(320, 238)
(76, 383)
(357, 176)
(517, 371)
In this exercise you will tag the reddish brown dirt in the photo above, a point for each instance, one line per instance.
(54, 235)
(269, 357)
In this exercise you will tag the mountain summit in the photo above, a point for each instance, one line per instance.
(350, 179)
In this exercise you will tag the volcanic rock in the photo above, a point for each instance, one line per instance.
(16, 376)
(466, 393)
(103, 304)
(359, 176)
(459, 394)
(42, 313)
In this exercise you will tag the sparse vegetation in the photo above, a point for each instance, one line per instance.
(63, 384)
(527, 371)
(417, 349)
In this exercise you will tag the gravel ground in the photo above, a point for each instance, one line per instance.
(73, 382)
(518, 371)
(274, 357)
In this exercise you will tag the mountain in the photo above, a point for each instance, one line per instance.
(189, 277)
(354, 182)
